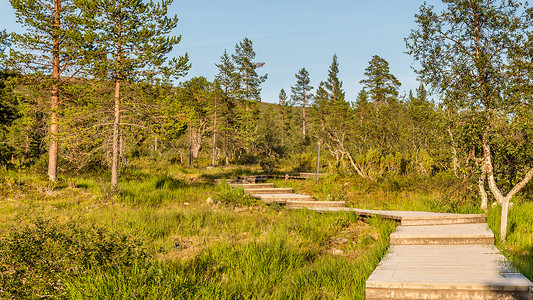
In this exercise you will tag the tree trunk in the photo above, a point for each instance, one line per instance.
(214, 162)
(503, 200)
(155, 145)
(482, 192)
(116, 138)
(454, 153)
(190, 147)
(116, 122)
(54, 105)
(226, 153)
(282, 128)
(303, 112)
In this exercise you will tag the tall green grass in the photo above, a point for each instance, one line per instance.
(281, 265)
(518, 246)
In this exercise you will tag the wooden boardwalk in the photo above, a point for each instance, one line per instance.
(442, 256)
(432, 255)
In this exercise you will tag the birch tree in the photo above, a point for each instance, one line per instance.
(465, 51)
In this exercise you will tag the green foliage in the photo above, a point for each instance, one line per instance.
(38, 258)
(275, 268)
(331, 89)
(52, 31)
(133, 39)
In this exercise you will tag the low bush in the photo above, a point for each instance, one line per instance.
(37, 259)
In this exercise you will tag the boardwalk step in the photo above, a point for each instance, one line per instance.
(252, 185)
(455, 234)
(281, 198)
(312, 204)
(412, 218)
(419, 218)
(252, 178)
(271, 190)
(446, 272)
(443, 220)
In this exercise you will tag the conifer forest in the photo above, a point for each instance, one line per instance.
(108, 156)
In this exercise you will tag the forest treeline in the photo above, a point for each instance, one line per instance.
(88, 87)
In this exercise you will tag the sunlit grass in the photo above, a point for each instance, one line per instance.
(232, 246)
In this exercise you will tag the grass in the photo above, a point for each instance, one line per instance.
(230, 247)
(197, 240)
(281, 264)
(518, 246)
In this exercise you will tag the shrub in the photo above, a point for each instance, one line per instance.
(36, 260)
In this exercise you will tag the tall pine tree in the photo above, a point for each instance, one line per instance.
(133, 40)
(227, 83)
(380, 83)
(302, 95)
(51, 46)
(250, 81)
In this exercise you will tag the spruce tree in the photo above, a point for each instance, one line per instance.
(333, 85)
(302, 95)
(133, 39)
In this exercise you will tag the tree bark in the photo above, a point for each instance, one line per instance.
(303, 112)
(54, 101)
(116, 122)
(116, 137)
(226, 153)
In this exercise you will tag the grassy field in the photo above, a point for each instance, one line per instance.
(172, 233)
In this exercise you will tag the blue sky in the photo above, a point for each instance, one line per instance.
(292, 34)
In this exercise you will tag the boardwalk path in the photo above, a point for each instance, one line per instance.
(432, 255)
(442, 256)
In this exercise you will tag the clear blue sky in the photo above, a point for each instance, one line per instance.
(292, 34)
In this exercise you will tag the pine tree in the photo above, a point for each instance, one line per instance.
(301, 94)
(249, 80)
(52, 46)
(133, 40)
(380, 83)
(227, 83)
(248, 93)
